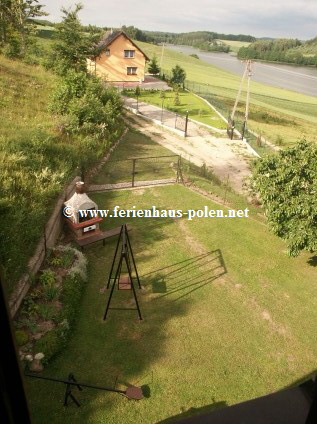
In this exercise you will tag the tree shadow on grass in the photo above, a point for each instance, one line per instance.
(312, 261)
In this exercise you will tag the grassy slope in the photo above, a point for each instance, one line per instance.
(241, 334)
(298, 109)
(24, 95)
(197, 108)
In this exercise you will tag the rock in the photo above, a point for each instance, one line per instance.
(36, 366)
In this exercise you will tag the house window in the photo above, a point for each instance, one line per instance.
(107, 52)
(131, 70)
(128, 54)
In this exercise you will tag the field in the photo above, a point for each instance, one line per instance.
(196, 107)
(289, 115)
(224, 308)
(235, 45)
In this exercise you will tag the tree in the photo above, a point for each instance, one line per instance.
(176, 99)
(16, 21)
(137, 91)
(73, 46)
(287, 185)
(153, 68)
(178, 76)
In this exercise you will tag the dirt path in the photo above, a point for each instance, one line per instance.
(225, 157)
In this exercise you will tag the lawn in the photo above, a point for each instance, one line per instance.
(228, 316)
(197, 108)
(135, 144)
(298, 111)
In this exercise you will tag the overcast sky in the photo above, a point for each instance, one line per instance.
(268, 18)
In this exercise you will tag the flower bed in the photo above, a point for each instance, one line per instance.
(47, 315)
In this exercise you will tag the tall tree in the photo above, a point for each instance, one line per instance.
(73, 46)
(23, 11)
(6, 20)
(287, 185)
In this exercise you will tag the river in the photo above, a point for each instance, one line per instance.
(301, 79)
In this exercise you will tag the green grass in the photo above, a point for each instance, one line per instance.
(235, 45)
(300, 110)
(24, 95)
(134, 144)
(217, 330)
(224, 310)
(196, 107)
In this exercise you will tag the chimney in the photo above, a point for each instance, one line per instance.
(80, 187)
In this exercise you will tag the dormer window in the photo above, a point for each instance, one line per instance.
(129, 54)
(107, 52)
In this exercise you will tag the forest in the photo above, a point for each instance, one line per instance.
(282, 50)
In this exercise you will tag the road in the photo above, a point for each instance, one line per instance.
(295, 78)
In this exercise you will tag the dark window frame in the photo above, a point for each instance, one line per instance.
(127, 54)
(133, 71)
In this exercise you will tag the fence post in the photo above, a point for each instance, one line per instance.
(226, 189)
(162, 111)
(133, 171)
(186, 124)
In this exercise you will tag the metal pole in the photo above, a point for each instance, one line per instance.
(133, 171)
(186, 124)
(162, 112)
(248, 93)
(75, 383)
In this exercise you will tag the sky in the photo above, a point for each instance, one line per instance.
(260, 18)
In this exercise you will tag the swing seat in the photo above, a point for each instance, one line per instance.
(124, 283)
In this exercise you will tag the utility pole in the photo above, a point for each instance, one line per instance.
(162, 54)
(249, 70)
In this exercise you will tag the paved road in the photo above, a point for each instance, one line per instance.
(295, 78)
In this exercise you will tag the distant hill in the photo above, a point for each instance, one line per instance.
(282, 50)
(204, 40)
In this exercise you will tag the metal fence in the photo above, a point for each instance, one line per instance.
(140, 171)
(224, 105)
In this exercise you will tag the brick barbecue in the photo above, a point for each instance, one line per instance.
(82, 227)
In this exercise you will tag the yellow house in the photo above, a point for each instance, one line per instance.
(119, 60)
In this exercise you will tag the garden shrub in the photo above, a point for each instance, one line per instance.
(21, 337)
(50, 344)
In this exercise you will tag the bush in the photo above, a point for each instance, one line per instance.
(70, 297)
(21, 337)
(48, 278)
(50, 344)
(46, 312)
(91, 107)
